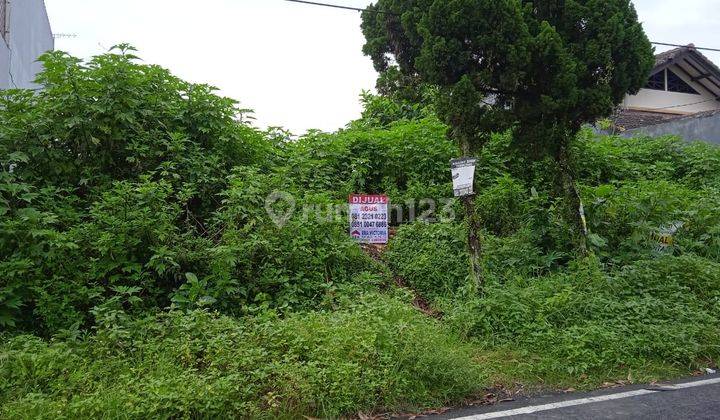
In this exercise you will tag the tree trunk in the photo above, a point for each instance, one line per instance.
(474, 242)
(474, 237)
(575, 209)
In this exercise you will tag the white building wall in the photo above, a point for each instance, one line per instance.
(651, 100)
(673, 102)
(29, 36)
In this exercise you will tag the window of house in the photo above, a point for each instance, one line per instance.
(657, 81)
(676, 84)
(668, 81)
(3, 19)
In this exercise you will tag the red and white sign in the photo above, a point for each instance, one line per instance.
(369, 218)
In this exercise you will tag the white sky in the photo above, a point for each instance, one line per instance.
(297, 66)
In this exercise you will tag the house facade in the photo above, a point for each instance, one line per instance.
(25, 34)
(683, 83)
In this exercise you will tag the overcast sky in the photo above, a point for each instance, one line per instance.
(297, 66)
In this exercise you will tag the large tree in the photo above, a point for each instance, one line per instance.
(541, 68)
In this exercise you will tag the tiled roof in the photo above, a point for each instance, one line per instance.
(703, 114)
(670, 55)
(627, 119)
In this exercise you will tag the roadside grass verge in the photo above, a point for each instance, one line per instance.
(573, 330)
(379, 353)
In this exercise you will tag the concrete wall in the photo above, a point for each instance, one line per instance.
(29, 36)
(4, 65)
(701, 127)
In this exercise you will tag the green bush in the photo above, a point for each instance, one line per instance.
(661, 311)
(504, 207)
(630, 219)
(298, 263)
(382, 111)
(127, 181)
(431, 258)
(408, 161)
(608, 158)
(378, 353)
(519, 255)
(104, 172)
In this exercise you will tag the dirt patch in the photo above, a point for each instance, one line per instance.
(376, 251)
(419, 302)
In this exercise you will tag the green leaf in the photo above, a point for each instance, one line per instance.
(597, 240)
(18, 157)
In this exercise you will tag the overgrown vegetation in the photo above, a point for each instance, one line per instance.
(378, 352)
(141, 275)
(537, 68)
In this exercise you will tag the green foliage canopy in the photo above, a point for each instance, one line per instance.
(546, 66)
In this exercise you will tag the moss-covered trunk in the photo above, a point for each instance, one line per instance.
(474, 228)
(575, 212)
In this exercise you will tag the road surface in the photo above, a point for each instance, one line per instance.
(697, 398)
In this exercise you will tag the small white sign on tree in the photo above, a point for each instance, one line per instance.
(463, 175)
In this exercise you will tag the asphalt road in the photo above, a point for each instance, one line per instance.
(697, 398)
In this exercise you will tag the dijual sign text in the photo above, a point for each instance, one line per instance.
(369, 218)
